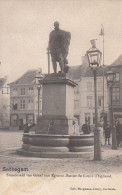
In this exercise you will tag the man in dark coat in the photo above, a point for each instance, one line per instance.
(107, 133)
(118, 132)
(86, 128)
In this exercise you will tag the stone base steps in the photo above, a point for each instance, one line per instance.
(55, 154)
(56, 146)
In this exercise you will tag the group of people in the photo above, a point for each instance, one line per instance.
(107, 131)
(118, 130)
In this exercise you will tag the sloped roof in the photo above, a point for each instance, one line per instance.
(2, 82)
(118, 61)
(77, 72)
(27, 78)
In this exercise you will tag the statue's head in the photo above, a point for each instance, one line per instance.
(56, 25)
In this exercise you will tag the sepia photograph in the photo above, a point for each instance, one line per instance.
(60, 97)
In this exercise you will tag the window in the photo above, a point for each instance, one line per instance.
(116, 94)
(22, 104)
(14, 92)
(117, 76)
(30, 91)
(89, 86)
(89, 101)
(22, 91)
(15, 105)
(87, 117)
(76, 104)
(30, 104)
(76, 89)
(100, 101)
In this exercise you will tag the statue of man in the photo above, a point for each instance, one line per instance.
(59, 41)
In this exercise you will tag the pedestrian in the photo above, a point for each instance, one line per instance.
(107, 133)
(26, 129)
(118, 132)
(86, 128)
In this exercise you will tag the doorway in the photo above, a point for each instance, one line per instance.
(20, 124)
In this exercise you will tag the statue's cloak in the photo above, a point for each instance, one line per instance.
(60, 39)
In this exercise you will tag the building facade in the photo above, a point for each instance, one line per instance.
(4, 103)
(24, 95)
(84, 105)
(24, 101)
(116, 67)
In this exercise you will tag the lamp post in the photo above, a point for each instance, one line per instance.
(94, 58)
(110, 78)
(38, 79)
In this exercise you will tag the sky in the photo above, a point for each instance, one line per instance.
(25, 26)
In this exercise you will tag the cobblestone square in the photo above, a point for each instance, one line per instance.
(10, 141)
(54, 176)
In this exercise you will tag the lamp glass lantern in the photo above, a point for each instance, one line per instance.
(94, 57)
(110, 76)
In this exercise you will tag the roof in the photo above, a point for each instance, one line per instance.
(118, 61)
(2, 82)
(76, 72)
(89, 73)
(27, 78)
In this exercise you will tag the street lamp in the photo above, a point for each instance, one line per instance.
(94, 58)
(38, 78)
(110, 78)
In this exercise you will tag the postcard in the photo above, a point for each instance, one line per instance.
(60, 97)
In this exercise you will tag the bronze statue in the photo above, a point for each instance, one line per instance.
(59, 41)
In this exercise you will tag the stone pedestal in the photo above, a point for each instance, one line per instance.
(57, 106)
